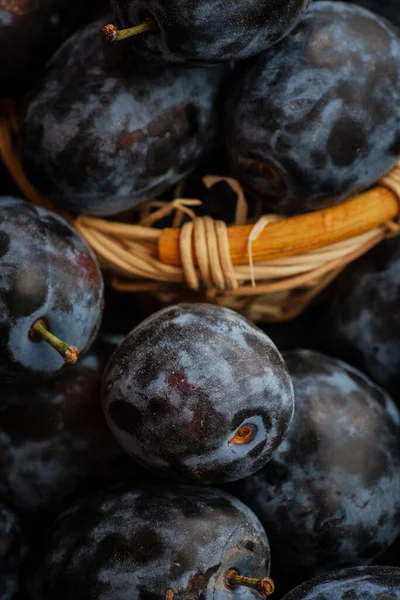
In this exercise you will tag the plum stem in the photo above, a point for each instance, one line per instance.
(39, 332)
(264, 586)
(112, 34)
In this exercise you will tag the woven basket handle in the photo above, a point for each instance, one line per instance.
(300, 234)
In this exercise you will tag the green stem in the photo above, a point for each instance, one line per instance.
(39, 332)
(113, 34)
(264, 586)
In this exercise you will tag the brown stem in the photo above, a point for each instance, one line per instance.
(264, 586)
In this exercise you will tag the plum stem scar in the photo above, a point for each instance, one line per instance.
(244, 435)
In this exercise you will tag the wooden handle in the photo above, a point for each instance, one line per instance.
(297, 235)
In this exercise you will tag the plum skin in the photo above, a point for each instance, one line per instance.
(364, 315)
(330, 495)
(52, 274)
(316, 118)
(54, 441)
(366, 583)
(185, 381)
(101, 136)
(12, 553)
(204, 32)
(129, 543)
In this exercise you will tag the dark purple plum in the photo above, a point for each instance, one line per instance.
(12, 553)
(317, 118)
(104, 132)
(364, 320)
(360, 583)
(198, 393)
(206, 32)
(30, 31)
(47, 273)
(152, 543)
(54, 441)
(330, 495)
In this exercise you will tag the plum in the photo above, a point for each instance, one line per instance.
(316, 118)
(198, 393)
(364, 318)
(153, 543)
(104, 132)
(50, 285)
(330, 495)
(54, 441)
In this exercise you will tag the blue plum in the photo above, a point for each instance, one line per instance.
(12, 553)
(30, 31)
(104, 132)
(198, 393)
(47, 272)
(317, 118)
(362, 583)
(152, 544)
(364, 319)
(205, 32)
(330, 495)
(54, 441)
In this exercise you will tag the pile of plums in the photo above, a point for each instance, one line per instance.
(183, 452)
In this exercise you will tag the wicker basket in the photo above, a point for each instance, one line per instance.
(270, 269)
